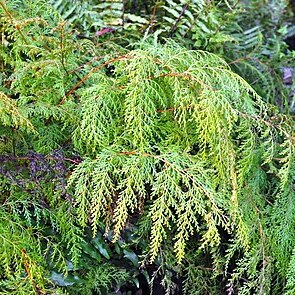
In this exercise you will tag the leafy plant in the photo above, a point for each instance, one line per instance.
(156, 160)
(92, 17)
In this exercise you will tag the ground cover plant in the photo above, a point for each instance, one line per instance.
(123, 167)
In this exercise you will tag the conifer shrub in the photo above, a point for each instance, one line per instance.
(166, 144)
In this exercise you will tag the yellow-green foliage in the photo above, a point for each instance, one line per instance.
(170, 141)
(177, 132)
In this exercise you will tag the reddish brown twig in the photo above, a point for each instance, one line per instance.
(2, 4)
(87, 76)
(29, 274)
(186, 76)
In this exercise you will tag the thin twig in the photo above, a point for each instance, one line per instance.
(87, 76)
(173, 28)
(62, 25)
(123, 12)
(29, 274)
(13, 22)
(152, 21)
(186, 76)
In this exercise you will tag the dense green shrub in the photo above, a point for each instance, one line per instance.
(158, 153)
(248, 34)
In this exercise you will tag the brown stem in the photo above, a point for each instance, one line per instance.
(12, 20)
(87, 76)
(29, 274)
(186, 76)
(152, 21)
(184, 8)
(123, 12)
(62, 25)
(174, 108)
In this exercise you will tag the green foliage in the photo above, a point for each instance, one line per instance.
(150, 117)
(91, 16)
(19, 251)
(260, 52)
(115, 160)
(255, 48)
(39, 234)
